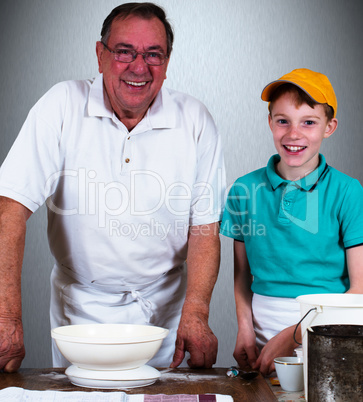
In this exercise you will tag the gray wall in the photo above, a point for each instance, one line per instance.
(225, 52)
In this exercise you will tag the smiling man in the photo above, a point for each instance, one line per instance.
(133, 56)
(132, 174)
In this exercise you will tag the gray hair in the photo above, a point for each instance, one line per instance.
(143, 10)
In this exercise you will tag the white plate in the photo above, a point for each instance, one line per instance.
(112, 379)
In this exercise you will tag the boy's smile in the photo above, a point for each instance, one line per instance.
(294, 148)
(298, 132)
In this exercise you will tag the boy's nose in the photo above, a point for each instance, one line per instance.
(294, 132)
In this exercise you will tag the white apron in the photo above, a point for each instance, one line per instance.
(74, 301)
(271, 315)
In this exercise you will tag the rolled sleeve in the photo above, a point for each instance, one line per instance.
(207, 202)
(351, 215)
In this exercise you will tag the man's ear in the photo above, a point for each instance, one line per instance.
(99, 51)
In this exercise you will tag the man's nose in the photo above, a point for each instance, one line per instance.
(139, 66)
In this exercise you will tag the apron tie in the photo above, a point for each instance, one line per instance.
(145, 304)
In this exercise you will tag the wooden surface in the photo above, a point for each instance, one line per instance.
(172, 381)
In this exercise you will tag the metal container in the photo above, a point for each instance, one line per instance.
(335, 363)
(327, 309)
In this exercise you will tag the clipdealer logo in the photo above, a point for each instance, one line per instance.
(311, 221)
(244, 203)
(109, 201)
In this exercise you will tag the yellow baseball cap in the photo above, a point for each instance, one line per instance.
(314, 84)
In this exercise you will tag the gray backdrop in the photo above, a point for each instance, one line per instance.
(225, 52)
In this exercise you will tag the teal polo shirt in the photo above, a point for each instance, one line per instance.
(296, 232)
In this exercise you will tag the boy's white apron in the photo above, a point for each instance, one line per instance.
(271, 315)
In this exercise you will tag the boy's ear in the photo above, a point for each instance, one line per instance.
(331, 127)
(270, 121)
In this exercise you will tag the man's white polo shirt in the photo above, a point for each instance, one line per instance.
(120, 203)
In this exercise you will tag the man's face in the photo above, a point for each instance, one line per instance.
(132, 87)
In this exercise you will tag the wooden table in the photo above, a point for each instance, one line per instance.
(172, 381)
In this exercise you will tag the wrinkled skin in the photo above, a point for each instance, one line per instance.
(13, 217)
(12, 350)
(195, 336)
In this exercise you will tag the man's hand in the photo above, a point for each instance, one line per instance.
(12, 350)
(195, 336)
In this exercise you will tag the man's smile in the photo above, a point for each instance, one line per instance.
(136, 84)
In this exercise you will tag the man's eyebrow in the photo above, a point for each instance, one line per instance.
(155, 47)
(129, 46)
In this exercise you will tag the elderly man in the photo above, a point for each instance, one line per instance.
(133, 177)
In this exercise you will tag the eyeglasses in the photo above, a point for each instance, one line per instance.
(129, 55)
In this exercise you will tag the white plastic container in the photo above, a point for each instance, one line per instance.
(327, 309)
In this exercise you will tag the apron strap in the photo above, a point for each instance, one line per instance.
(111, 288)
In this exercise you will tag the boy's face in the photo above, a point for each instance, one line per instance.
(298, 133)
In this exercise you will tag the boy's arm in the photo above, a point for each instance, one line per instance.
(355, 268)
(283, 343)
(246, 352)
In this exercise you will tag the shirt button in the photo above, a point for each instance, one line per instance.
(127, 160)
(287, 203)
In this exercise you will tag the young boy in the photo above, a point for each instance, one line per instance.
(297, 224)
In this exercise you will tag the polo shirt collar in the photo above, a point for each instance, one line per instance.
(163, 111)
(98, 103)
(161, 114)
(307, 183)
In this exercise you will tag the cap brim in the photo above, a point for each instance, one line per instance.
(272, 86)
(269, 88)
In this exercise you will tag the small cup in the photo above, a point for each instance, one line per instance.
(290, 372)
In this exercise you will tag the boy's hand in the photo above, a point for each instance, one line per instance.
(246, 351)
(282, 344)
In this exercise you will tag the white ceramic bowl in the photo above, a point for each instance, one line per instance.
(109, 346)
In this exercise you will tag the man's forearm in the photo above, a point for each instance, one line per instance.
(13, 219)
(203, 266)
(194, 334)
